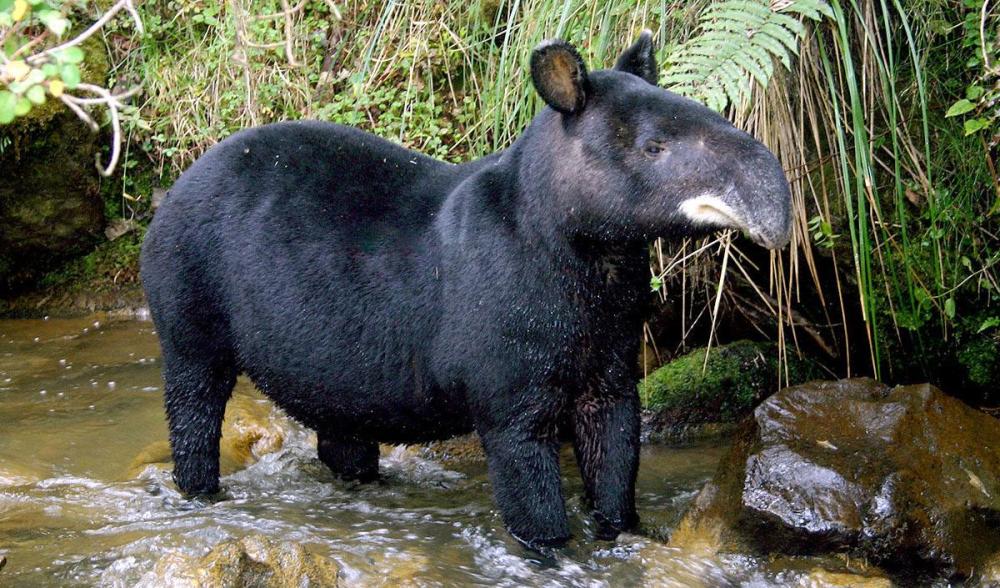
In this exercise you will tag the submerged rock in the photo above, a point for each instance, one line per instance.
(464, 449)
(689, 398)
(250, 562)
(990, 574)
(252, 428)
(908, 478)
(820, 578)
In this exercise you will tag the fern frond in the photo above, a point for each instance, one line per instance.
(737, 44)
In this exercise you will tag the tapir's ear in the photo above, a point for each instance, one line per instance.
(560, 76)
(639, 59)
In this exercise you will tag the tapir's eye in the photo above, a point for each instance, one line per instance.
(653, 148)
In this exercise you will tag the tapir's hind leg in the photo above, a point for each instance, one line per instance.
(350, 459)
(197, 388)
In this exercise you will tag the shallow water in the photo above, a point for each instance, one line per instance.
(80, 399)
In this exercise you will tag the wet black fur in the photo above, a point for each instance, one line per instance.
(378, 295)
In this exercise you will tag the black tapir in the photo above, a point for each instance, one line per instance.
(378, 295)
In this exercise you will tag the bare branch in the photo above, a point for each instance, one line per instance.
(80, 113)
(289, 49)
(113, 103)
(982, 36)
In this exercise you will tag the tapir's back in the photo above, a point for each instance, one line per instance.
(314, 171)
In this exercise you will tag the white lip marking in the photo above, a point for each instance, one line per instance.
(711, 210)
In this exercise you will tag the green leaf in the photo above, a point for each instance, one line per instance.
(974, 125)
(960, 107)
(22, 107)
(70, 55)
(36, 94)
(973, 92)
(36, 76)
(949, 308)
(70, 75)
(54, 21)
(6, 5)
(989, 324)
(8, 102)
(655, 283)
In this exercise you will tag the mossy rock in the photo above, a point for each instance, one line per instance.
(50, 202)
(105, 279)
(686, 394)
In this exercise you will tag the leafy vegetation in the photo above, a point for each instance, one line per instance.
(37, 62)
(29, 79)
(737, 43)
(882, 112)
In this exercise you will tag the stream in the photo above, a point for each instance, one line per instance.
(81, 399)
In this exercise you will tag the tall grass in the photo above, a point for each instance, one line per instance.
(893, 246)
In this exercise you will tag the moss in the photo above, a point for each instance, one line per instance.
(105, 279)
(112, 262)
(737, 377)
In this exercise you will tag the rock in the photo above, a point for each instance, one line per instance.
(119, 227)
(50, 202)
(989, 575)
(908, 478)
(251, 429)
(252, 561)
(820, 578)
(464, 449)
(408, 571)
(156, 454)
(686, 399)
(158, 195)
(14, 475)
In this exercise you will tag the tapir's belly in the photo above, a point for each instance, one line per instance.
(349, 373)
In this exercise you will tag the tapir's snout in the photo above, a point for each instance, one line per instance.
(763, 190)
(749, 192)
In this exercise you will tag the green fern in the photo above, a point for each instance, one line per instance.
(737, 44)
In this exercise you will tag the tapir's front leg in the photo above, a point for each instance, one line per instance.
(606, 422)
(522, 449)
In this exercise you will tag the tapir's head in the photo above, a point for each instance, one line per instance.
(623, 157)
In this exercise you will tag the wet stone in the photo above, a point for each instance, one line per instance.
(252, 428)
(908, 478)
(464, 449)
(250, 562)
(821, 578)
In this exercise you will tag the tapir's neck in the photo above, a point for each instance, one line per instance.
(614, 270)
